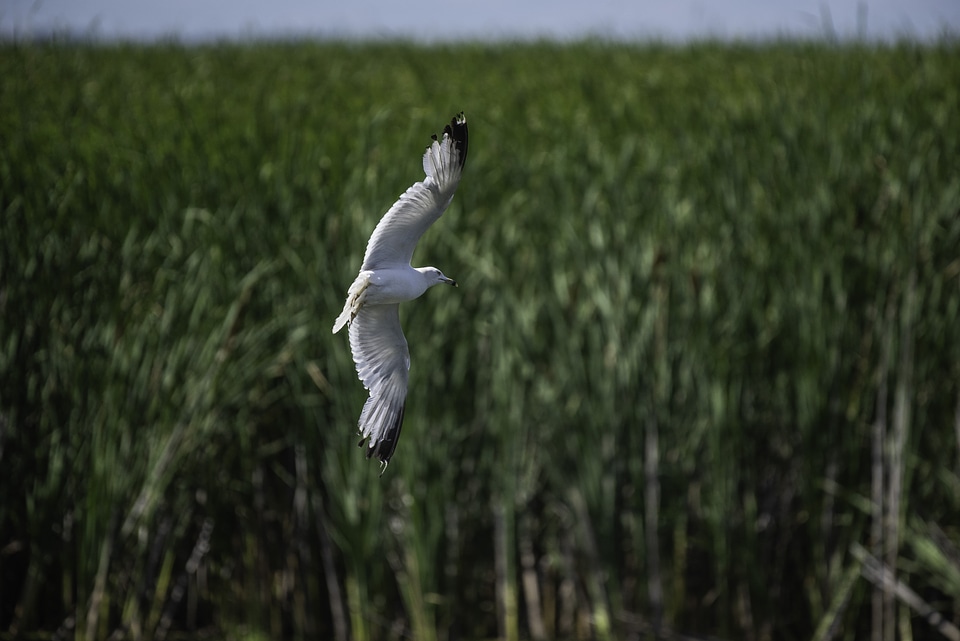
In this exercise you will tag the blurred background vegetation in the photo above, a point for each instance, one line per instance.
(701, 377)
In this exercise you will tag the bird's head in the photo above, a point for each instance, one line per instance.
(434, 276)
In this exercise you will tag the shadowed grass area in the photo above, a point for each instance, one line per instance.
(706, 340)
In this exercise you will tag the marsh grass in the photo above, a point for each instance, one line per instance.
(659, 378)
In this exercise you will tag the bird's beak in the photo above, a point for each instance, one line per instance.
(450, 281)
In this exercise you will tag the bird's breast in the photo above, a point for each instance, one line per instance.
(389, 286)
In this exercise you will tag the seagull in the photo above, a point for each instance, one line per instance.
(386, 279)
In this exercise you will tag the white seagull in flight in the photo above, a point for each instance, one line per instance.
(386, 279)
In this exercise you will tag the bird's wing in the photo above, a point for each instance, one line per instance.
(397, 233)
(383, 362)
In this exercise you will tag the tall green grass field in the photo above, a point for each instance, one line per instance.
(701, 376)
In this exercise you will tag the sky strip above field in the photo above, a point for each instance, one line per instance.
(499, 19)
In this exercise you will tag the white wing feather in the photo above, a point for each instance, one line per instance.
(383, 364)
(396, 235)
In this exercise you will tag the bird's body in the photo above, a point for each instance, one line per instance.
(386, 279)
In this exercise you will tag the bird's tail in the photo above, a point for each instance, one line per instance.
(354, 301)
(444, 159)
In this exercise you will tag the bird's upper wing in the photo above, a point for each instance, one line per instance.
(383, 362)
(398, 232)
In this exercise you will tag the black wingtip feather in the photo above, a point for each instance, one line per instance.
(457, 130)
(386, 446)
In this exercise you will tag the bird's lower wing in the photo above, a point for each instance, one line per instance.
(383, 364)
